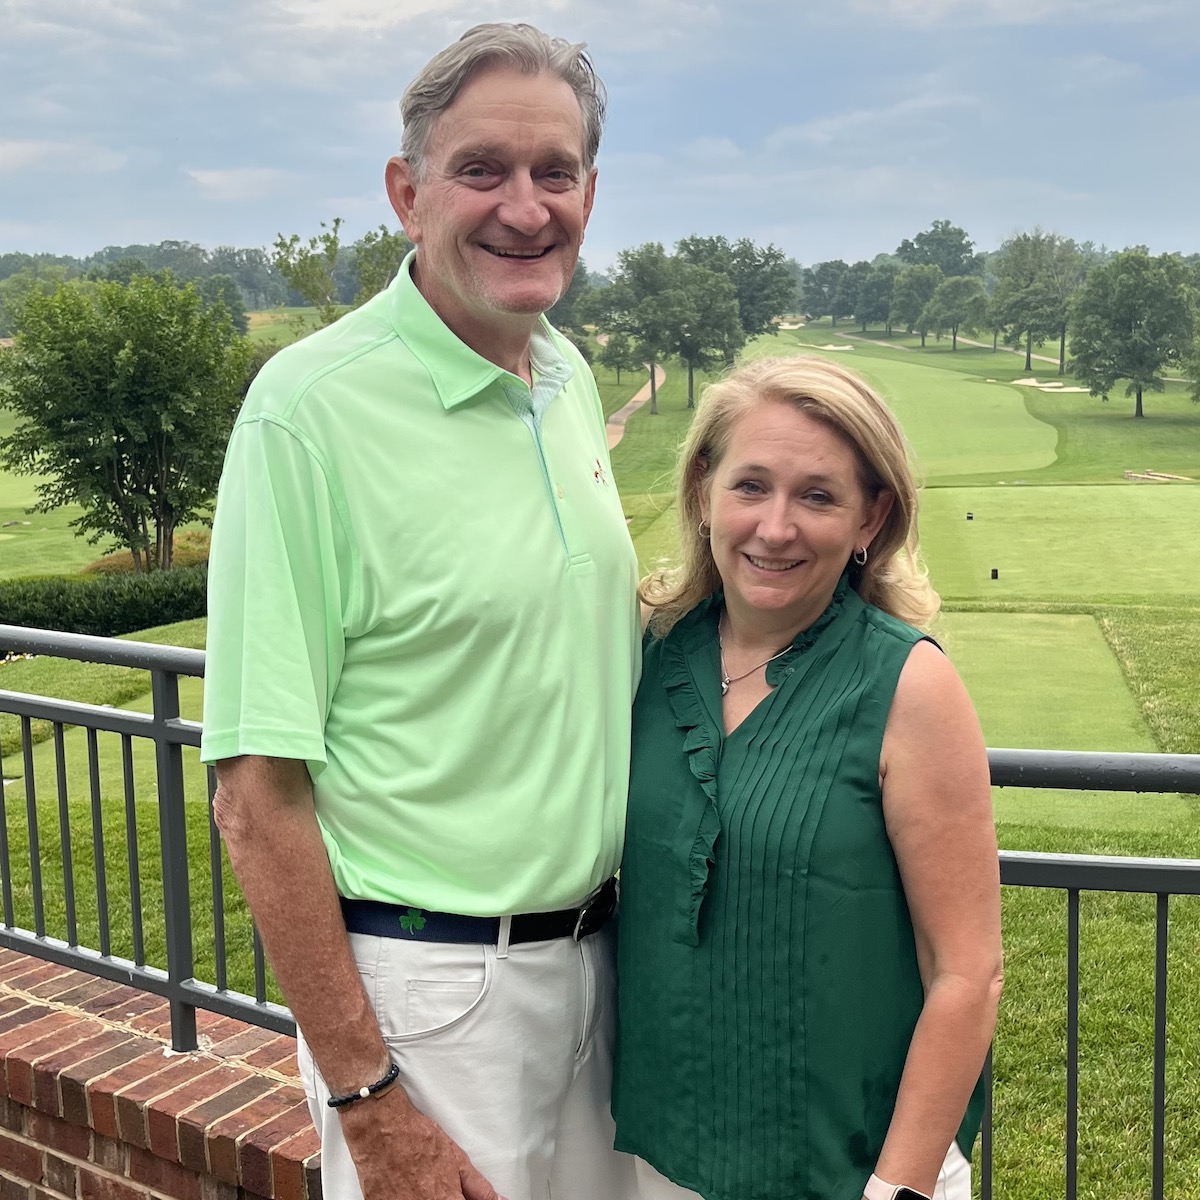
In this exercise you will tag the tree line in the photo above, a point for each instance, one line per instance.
(1127, 316)
(125, 378)
(246, 279)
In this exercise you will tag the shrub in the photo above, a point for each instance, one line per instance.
(105, 605)
(191, 548)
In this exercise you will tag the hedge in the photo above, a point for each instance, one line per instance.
(105, 605)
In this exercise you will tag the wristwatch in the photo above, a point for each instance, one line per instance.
(877, 1189)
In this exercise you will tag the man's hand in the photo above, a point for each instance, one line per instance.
(401, 1154)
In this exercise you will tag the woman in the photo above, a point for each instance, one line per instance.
(810, 936)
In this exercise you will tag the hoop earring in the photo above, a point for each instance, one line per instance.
(704, 530)
(862, 550)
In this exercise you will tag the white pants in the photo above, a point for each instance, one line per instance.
(954, 1181)
(509, 1050)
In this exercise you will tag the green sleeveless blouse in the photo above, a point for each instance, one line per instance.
(768, 981)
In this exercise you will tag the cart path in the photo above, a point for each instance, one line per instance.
(614, 427)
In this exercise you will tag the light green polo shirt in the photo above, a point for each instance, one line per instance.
(422, 584)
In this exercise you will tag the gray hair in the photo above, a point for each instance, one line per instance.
(522, 47)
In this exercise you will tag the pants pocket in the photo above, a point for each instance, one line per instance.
(427, 989)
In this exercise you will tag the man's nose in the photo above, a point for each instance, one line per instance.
(522, 208)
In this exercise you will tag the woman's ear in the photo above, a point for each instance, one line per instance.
(878, 511)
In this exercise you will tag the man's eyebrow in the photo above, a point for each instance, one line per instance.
(484, 151)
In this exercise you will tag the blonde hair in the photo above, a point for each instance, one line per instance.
(893, 578)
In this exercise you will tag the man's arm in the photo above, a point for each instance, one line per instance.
(264, 810)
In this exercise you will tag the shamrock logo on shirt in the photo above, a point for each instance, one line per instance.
(412, 921)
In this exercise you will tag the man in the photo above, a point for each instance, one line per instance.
(422, 652)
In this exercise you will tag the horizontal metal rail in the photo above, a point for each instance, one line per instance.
(1086, 770)
(113, 652)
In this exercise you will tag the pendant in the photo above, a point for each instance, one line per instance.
(725, 685)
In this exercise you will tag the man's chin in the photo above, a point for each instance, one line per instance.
(526, 304)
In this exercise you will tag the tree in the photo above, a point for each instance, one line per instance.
(618, 354)
(562, 314)
(644, 305)
(942, 245)
(845, 298)
(958, 303)
(708, 329)
(1132, 318)
(874, 301)
(913, 290)
(581, 343)
(124, 396)
(1024, 302)
(821, 284)
(1191, 367)
(119, 270)
(309, 268)
(377, 257)
(1067, 267)
(16, 288)
(761, 276)
(223, 289)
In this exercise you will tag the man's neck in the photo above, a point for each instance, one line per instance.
(503, 338)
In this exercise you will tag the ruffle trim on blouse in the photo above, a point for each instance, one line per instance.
(700, 742)
(700, 746)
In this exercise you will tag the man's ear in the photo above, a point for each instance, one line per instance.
(402, 192)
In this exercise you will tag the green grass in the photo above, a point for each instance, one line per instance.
(1062, 658)
(282, 325)
(1127, 539)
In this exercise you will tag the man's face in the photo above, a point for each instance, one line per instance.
(500, 211)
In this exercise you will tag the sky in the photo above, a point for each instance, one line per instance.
(831, 130)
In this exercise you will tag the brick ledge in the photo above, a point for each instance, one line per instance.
(96, 1106)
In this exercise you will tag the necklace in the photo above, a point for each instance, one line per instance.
(726, 678)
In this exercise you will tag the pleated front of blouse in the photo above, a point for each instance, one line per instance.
(768, 973)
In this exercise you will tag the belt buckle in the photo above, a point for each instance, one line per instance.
(584, 909)
(577, 933)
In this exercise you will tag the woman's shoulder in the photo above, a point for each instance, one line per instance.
(893, 627)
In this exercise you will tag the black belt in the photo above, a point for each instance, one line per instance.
(378, 919)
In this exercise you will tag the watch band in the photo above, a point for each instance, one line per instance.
(878, 1189)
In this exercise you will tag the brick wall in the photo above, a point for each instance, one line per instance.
(94, 1104)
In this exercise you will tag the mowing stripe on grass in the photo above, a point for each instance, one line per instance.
(1051, 682)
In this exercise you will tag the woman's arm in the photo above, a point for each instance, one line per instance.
(938, 809)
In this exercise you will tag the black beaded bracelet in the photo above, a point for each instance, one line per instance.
(393, 1073)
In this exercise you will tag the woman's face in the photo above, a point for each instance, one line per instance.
(787, 509)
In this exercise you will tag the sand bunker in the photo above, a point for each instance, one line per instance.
(1049, 385)
(831, 346)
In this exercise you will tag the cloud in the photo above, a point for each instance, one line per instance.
(238, 183)
(356, 16)
(1022, 12)
(31, 155)
(926, 112)
(17, 156)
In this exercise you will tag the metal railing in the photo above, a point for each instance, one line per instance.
(169, 734)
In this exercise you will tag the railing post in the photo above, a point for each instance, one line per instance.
(172, 825)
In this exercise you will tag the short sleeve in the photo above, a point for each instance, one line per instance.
(278, 595)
